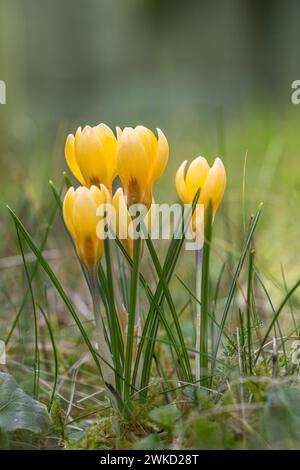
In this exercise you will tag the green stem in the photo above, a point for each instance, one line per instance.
(101, 339)
(249, 294)
(205, 298)
(36, 372)
(132, 317)
(116, 339)
(199, 259)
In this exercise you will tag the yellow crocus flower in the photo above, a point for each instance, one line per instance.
(92, 155)
(141, 160)
(79, 211)
(210, 180)
(124, 221)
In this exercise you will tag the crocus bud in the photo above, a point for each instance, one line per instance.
(210, 180)
(141, 160)
(79, 211)
(92, 155)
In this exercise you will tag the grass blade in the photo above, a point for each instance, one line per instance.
(45, 265)
(275, 318)
(36, 370)
(247, 243)
(115, 331)
(55, 356)
(205, 299)
(33, 273)
(249, 297)
(164, 275)
(277, 322)
(133, 303)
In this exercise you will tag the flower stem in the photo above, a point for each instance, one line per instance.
(101, 337)
(132, 318)
(199, 258)
(205, 298)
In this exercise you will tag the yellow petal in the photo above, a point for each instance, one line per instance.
(109, 143)
(119, 132)
(68, 210)
(106, 193)
(84, 213)
(79, 210)
(214, 186)
(71, 158)
(131, 160)
(102, 199)
(123, 220)
(162, 156)
(97, 195)
(85, 223)
(89, 251)
(91, 157)
(77, 137)
(181, 186)
(149, 142)
(196, 175)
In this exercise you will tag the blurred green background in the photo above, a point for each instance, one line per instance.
(215, 76)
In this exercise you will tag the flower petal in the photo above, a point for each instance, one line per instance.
(214, 186)
(122, 220)
(150, 145)
(71, 158)
(131, 159)
(181, 186)
(196, 175)
(90, 155)
(68, 210)
(109, 143)
(161, 157)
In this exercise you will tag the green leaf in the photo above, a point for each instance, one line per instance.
(281, 418)
(205, 434)
(165, 416)
(151, 442)
(18, 410)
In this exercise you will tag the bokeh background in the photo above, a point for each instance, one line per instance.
(215, 76)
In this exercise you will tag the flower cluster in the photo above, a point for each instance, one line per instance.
(96, 157)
